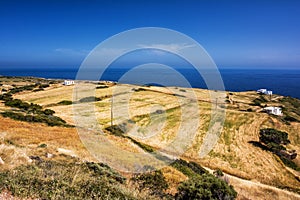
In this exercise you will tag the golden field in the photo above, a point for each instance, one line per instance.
(252, 171)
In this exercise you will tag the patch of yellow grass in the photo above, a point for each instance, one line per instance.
(173, 178)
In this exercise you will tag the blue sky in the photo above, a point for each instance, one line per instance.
(60, 33)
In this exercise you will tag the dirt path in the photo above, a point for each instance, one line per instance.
(254, 190)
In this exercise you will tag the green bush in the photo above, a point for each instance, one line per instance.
(37, 90)
(153, 181)
(41, 86)
(249, 110)
(6, 97)
(17, 103)
(289, 163)
(89, 99)
(22, 88)
(42, 145)
(117, 131)
(49, 120)
(270, 135)
(48, 112)
(190, 169)
(205, 187)
(218, 173)
(256, 102)
(290, 118)
(65, 102)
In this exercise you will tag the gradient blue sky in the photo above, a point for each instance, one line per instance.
(60, 33)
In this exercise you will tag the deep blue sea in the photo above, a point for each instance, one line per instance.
(283, 82)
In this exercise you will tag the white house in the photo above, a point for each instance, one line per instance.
(264, 91)
(269, 92)
(273, 110)
(69, 82)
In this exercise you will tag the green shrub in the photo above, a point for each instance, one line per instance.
(48, 112)
(290, 118)
(65, 102)
(289, 163)
(49, 120)
(153, 181)
(145, 147)
(256, 102)
(270, 135)
(189, 169)
(117, 131)
(22, 88)
(89, 99)
(37, 90)
(42, 145)
(218, 173)
(205, 187)
(6, 97)
(249, 110)
(41, 86)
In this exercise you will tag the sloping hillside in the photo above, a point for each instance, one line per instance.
(251, 170)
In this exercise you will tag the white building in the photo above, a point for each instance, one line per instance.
(69, 82)
(264, 91)
(269, 92)
(273, 110)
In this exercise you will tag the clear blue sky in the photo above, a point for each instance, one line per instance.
(47, 33)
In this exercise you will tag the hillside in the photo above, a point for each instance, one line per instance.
(253, 171)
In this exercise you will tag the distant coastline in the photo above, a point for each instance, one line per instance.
(282, 82)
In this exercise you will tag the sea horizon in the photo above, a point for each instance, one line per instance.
(280, 81)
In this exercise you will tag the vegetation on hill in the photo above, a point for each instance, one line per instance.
(61, 180)
(259, 100)
(205, 187)
(291, 109)
(154, 182)
(275, 141)
(29, 112)
(201, 184)
(71, 179)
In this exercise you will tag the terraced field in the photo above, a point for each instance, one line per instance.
(172, 121)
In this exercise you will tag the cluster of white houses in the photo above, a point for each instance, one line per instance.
(270, 109)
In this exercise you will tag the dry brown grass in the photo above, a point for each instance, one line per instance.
(233, 152)
(235, 155)
(173, 178)
(51, 95)
(21, 139)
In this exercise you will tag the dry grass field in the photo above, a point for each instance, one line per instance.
(254, 173)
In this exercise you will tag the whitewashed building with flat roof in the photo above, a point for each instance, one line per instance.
(273, 110)
(265, 91)
(69, 82)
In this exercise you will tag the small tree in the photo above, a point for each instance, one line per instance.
(270, 135)
(205, 186)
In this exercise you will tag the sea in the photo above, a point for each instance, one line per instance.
(282, 82)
